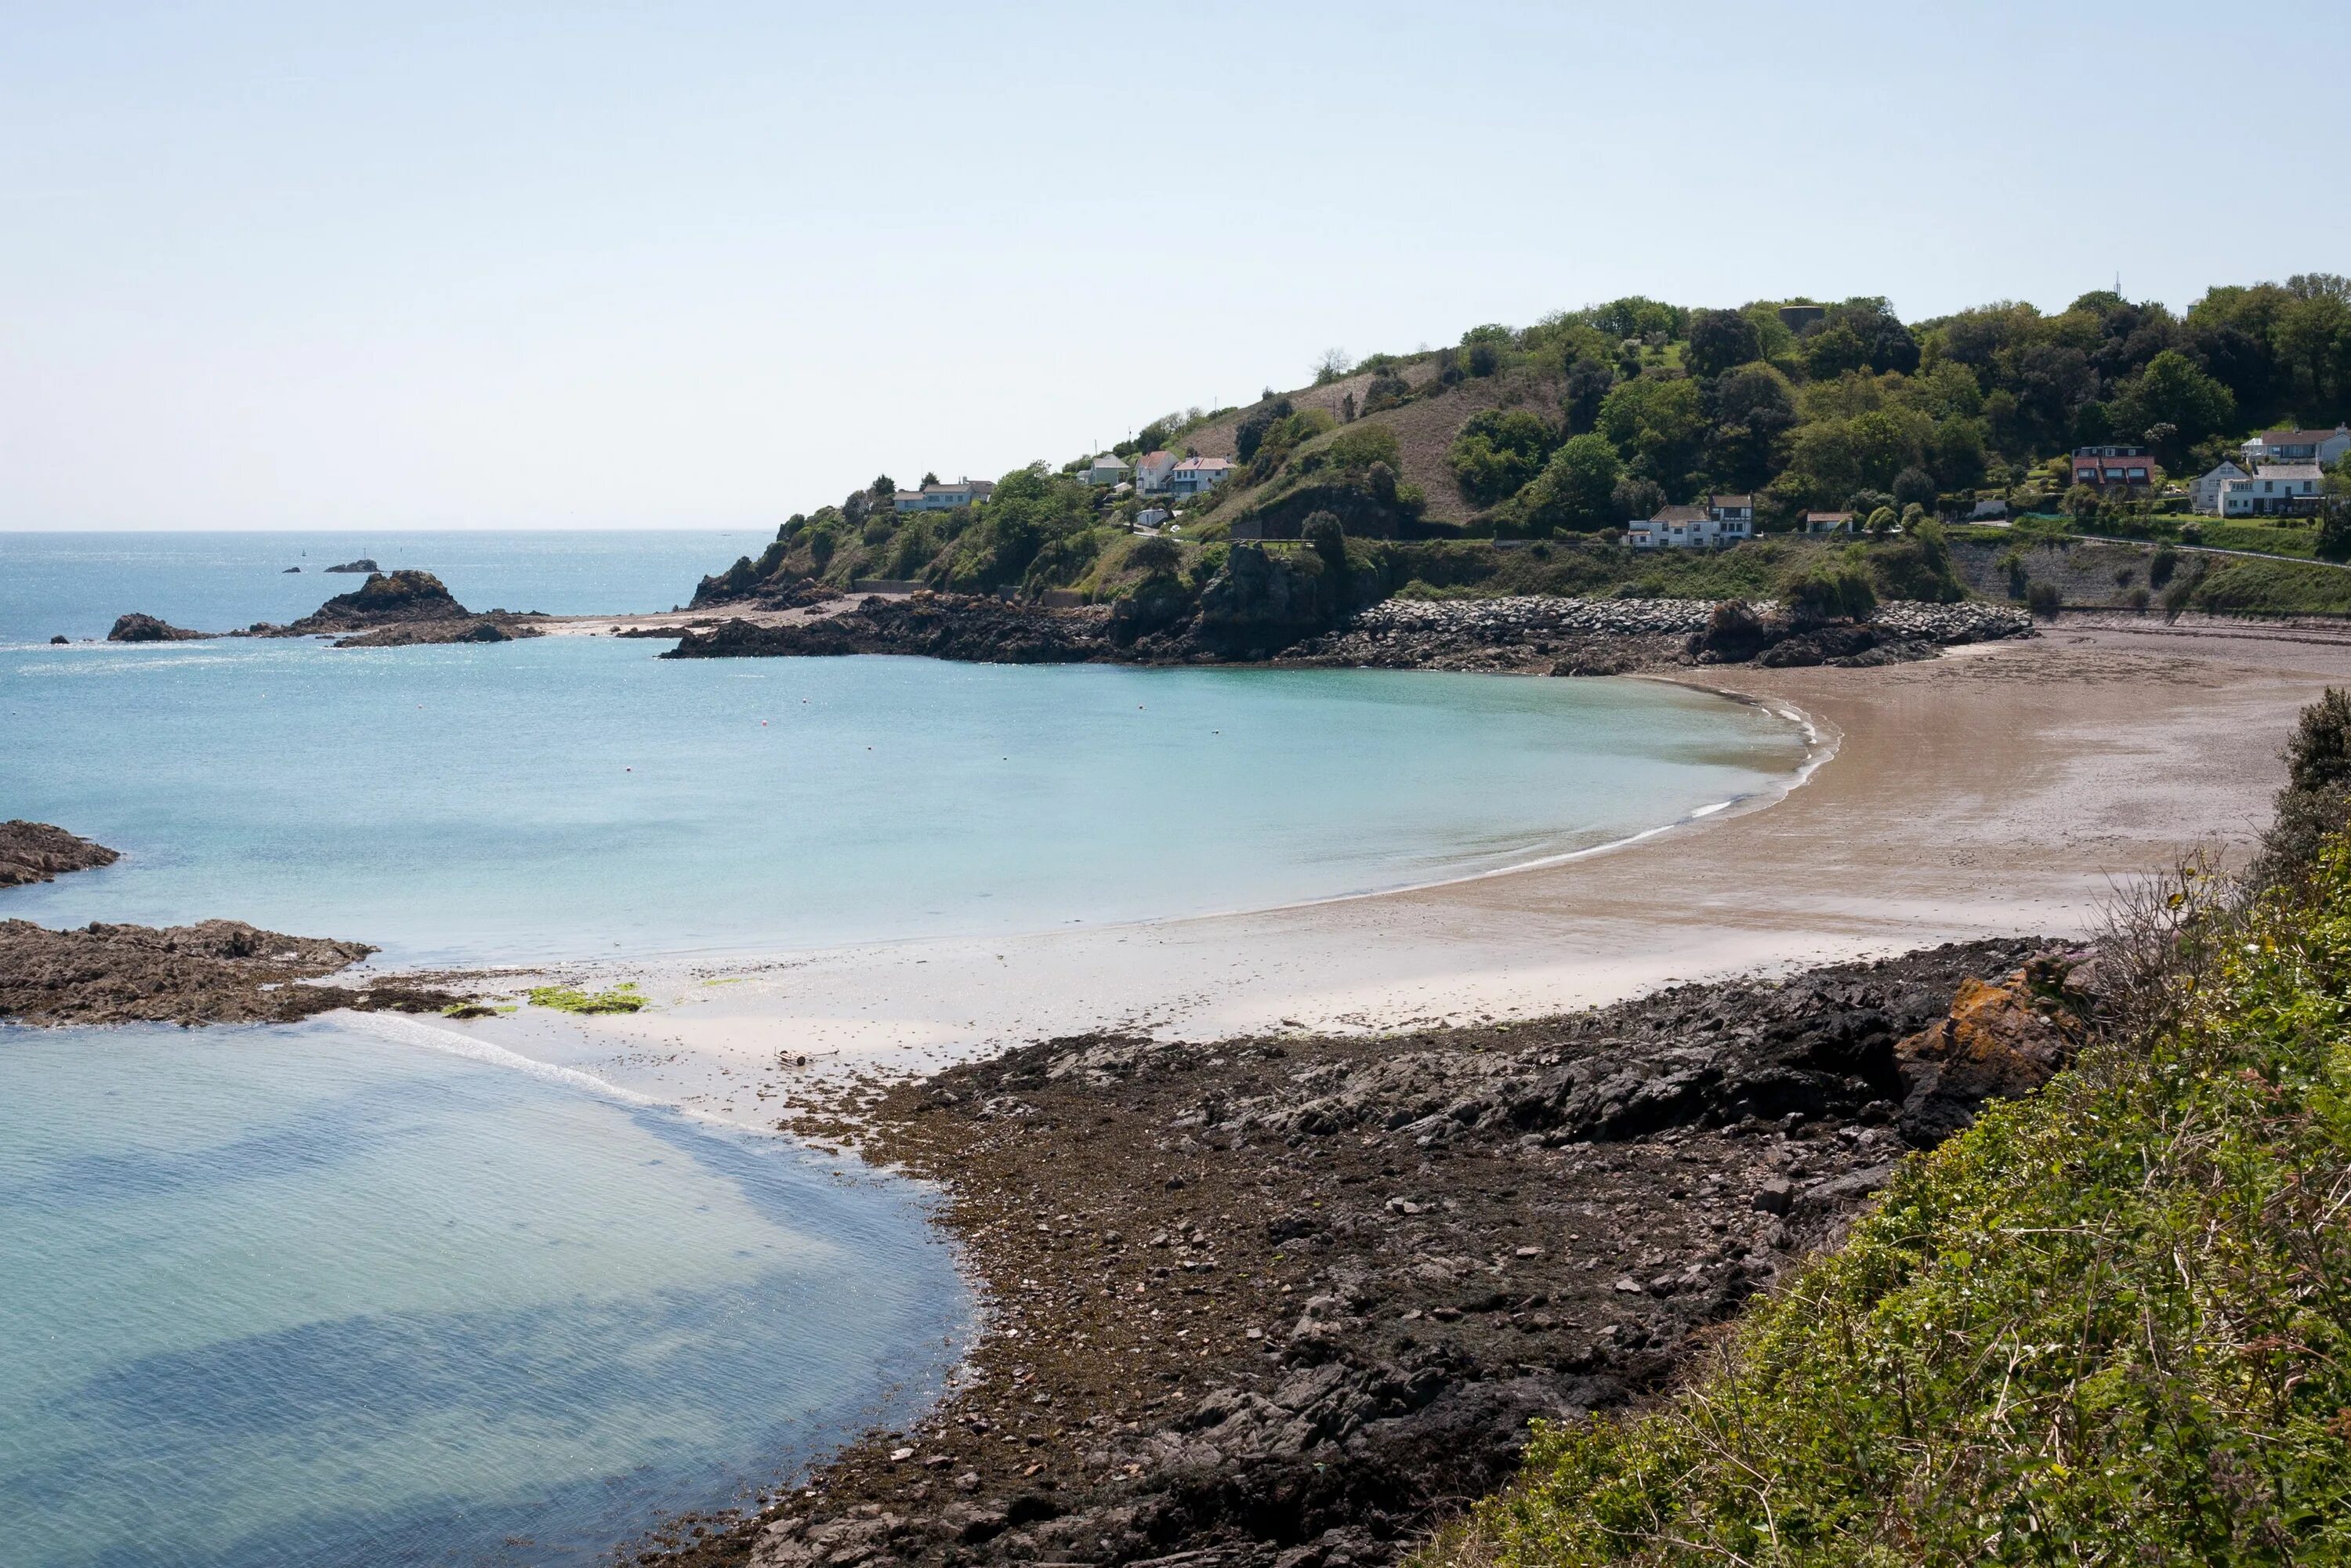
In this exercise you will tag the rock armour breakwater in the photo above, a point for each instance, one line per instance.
(1526, 635)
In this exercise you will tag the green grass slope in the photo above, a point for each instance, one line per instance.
(2109, 1324)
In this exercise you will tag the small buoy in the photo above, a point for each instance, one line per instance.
(762, 723)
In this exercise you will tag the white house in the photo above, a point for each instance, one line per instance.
(2206, 493)
(2272, 491)
(1151, 516)
(1830, 523)
(1197, 475)
(1106, 469)
(2323, 447)
(946, 498)
(1723, 520)
(1151, 471)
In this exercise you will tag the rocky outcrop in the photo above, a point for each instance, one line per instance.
(2002, 1039)
(137, 628)
(495, 627)
(1283, 1301)
(401, 609)
(362, 564)
(217, 971)
(931, 625)
(383, 599)
(36, 851)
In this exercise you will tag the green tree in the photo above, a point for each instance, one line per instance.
(1657, 425)
(1577, 488)
(1498, 451)
(1719, 339)
(1155, 556)
(2173, 392)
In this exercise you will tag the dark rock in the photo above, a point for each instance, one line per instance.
(137, 628)
(61, 638)
(362, 564)
(1776, 1196)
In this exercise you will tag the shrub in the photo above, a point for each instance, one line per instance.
(1250, 433)
(2043, 600)
(1839, 591)
(2105, 1324)
(2161, 565)
(1359, 447)
(1156, 556)
(1498, 451)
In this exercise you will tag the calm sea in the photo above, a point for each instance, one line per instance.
(325, 1294)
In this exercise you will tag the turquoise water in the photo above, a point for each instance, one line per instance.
(321, 1294)
(74, 585)
(310, 1295)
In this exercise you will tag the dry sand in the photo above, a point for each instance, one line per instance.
(2003, 788)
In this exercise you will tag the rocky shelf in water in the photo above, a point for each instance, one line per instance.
(37, 852)
(1284, 1302)
(386, 611)
(216, 971)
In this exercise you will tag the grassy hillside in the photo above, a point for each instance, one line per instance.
(1567, 428)
(2109, 1324)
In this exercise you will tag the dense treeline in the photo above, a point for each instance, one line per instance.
(1854, 409)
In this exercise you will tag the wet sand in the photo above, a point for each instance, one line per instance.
(2002, 788)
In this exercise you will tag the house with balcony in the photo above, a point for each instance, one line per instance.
(2323, 447)
(2275, 490)
(1721, 521)
(944, 497)
(1197, 475)
(2113, 467)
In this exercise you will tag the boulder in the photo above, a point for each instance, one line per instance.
(2002, 1039)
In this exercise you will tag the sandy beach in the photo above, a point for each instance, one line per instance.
(2002, 788)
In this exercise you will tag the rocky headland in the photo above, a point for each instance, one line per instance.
(36, 851)
(216, 971)
(1285, 1301)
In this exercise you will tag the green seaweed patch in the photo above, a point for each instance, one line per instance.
(621, 998)
(472, 1010)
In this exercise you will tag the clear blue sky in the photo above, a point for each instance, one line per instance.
(690, 264)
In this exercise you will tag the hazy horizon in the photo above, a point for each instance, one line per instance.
(614, 268)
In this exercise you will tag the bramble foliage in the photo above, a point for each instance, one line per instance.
(1833, 590)
(1498, 451)
(2109, 1324)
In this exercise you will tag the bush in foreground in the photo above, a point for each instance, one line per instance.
(2110, 1325)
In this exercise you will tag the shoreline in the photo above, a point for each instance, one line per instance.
(1995, 790)
(1999, 787)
